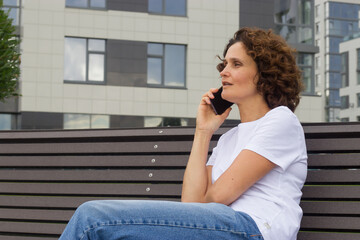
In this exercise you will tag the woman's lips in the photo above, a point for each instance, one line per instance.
(226, 84)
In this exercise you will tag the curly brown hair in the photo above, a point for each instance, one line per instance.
(279, 76)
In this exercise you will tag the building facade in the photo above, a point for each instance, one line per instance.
(333, 20)
(293, 20)
(350, 75)
(128, 63)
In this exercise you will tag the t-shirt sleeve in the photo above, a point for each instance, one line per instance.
(278, 138)
(212, 157)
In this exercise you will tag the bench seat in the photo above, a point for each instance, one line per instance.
(46, 175)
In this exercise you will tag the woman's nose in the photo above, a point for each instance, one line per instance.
(224, 72)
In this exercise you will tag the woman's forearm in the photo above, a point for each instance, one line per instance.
(195, 181)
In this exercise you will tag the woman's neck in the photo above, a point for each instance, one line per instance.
(252, 112)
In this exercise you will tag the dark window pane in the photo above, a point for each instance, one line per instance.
(155, 49)
(75, 59)
(155, 6)
(305, 59)
(305, 12)
(285, 11)
(335, 62)
(154, 71)
(175, 7)
(344, 102)
(334, 80)
(77, 3)
(287, 32)
(306, 78)
(343, 10)
(305, 35)
(334, 98)
(174, 65)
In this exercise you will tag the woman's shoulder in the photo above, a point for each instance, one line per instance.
(281, 119)
(282, 114)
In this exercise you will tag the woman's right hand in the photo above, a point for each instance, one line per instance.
(206, 119)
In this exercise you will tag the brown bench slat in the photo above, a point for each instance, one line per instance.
(101, 133)
(32, 227)
(337, 192)
(330, 207)
(93, 161)
(19, 201)
(37, 214)
(9, 237)
(329, 222)
(304, 235)
(93, 189)
(86, 175)
(331, 128)
(328, 176)
(333, 145)
(334, 160)
(92, 148)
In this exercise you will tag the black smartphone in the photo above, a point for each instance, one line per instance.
(219, 104)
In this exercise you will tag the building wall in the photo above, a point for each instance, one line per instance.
(261, 14)
(45, 23)
(127, 28)
(327, 72)
(353, 112)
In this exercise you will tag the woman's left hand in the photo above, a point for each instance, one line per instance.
(206, 119)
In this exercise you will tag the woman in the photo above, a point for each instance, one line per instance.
(250, 187)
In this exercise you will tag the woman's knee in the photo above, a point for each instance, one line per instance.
(89, 209)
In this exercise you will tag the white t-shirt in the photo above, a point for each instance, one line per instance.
(273, 201)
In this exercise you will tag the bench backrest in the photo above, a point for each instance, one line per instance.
(45, 175)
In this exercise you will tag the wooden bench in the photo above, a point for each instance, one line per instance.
(45, 175)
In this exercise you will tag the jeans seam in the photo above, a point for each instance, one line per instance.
(161, 225)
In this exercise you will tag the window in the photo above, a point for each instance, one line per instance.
(166, 65)
(294, 20)
(84, 60)
(94, 4)
(164, 122)
(305, 62)
(345, 69)
(13, 6)
(7, 121)
(317, 80)
(304, 12)
(344, 102)
(168, 7)
(358, 66)
(358, 99)
(317, 62)
(346, 119)
(85, 121)
(317, 28)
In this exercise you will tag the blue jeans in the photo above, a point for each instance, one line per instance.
(158, 220)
